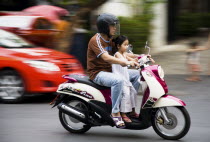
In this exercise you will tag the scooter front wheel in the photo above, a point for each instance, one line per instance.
(178, 125)
(71, 124)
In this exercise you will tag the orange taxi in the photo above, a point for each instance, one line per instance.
(36, 29)
(26, 68)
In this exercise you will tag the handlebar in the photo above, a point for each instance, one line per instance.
(146, 46)
(136, 67)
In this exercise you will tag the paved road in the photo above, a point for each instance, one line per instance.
(35, 121)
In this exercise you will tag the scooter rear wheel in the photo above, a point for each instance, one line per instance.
(71, 124)
(178, 126)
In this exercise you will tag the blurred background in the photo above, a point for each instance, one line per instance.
(41, 40)
(159, 21)
(65, 26)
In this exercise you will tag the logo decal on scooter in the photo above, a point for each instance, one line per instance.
(70, 89)
(149, 74)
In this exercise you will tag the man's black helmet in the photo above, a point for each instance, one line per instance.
(104, 21)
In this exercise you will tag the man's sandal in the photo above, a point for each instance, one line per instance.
(118, 122)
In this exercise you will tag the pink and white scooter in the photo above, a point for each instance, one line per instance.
(83, 104)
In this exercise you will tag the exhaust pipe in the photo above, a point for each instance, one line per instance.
(73, 112)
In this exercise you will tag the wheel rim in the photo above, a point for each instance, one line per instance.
(70, 121)
(173, 122)
(11, 87)
(176, 125)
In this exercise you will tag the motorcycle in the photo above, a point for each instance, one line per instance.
(83, 104)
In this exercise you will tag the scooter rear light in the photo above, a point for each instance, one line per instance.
(70, 79)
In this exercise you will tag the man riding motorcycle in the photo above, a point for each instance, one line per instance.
(82, 104)
(99, 60)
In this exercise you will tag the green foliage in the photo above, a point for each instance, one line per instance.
(188, 23)
(137, 29)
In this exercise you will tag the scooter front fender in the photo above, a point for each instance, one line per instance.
(168, 100)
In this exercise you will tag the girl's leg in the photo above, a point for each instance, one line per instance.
(208, 69)
(125, 117)
(192, 73)
(196, 72)
(133, 102)
(125, 106)
(134, 114)
(196, 76)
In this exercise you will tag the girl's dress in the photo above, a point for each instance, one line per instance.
(129, 93)
(193, 60)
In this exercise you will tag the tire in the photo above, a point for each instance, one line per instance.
(12, 87)
(70, 124)
(176, 115)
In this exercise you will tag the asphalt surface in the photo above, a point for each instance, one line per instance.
(35, 121)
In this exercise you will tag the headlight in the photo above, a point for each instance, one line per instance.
(43, 65)
(161, 72)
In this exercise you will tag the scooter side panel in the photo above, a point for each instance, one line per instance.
(168, 100)
(86, 92)
(143, 86)
(156, 90)
(72, 94)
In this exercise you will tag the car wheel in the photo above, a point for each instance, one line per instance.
(12, 86)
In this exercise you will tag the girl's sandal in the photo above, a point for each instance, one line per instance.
(118, 122)
(126, 119)
(134, 115)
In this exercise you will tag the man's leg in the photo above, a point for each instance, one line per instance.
(134, 78)
(114, 81)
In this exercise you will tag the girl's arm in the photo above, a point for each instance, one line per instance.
(132, 63)
(131, 57)
(206, 47)
(201, 48)
(190, 50)
(117, 55)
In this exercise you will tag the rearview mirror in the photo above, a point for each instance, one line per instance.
(130, 48)
(146, 46)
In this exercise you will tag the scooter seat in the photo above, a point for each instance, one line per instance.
(86, 80)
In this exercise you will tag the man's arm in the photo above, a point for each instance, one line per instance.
(112, 60)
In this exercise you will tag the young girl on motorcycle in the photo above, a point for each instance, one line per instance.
(128, 102)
